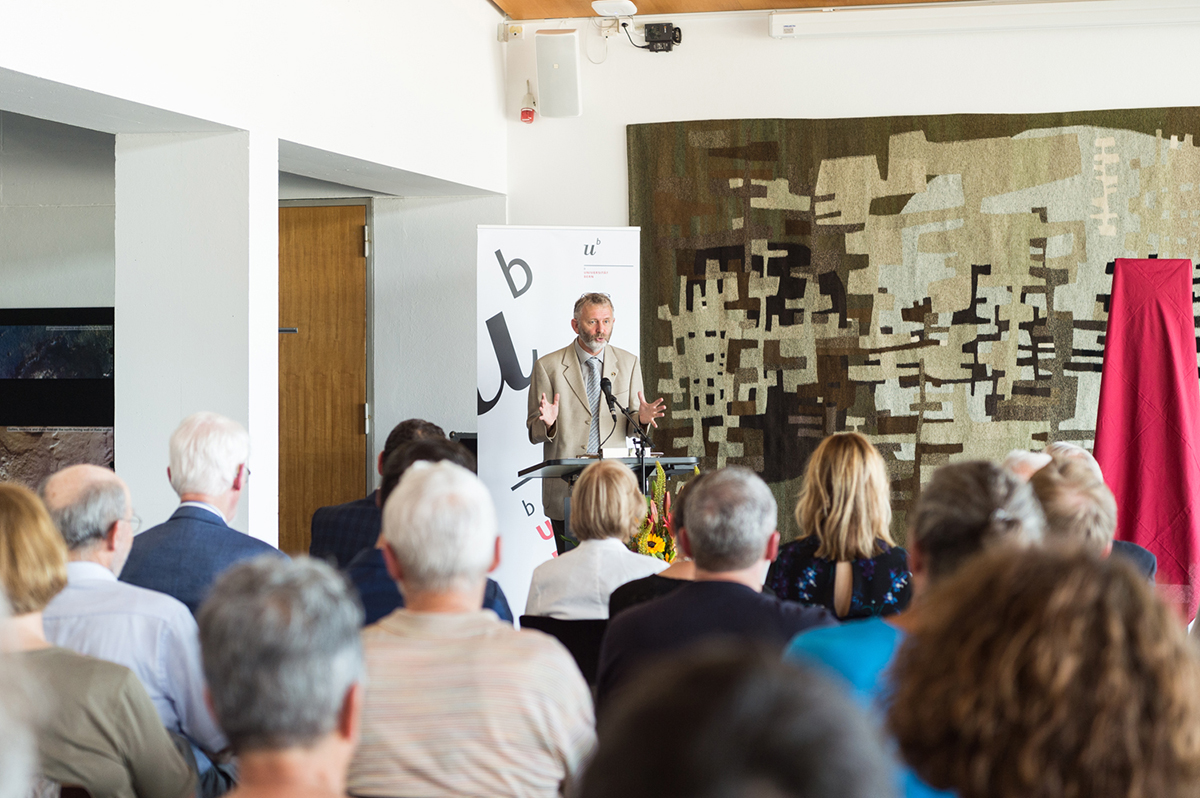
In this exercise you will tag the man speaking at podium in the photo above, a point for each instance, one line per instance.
(565, 400)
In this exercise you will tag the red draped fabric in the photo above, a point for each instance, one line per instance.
(1148, 424)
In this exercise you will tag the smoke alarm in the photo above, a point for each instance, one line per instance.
(614, 8)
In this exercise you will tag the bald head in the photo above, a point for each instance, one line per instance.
(88, 504)
(66, 486)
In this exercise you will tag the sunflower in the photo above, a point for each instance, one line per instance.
(654, 544)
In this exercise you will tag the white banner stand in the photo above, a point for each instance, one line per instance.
(529, 279)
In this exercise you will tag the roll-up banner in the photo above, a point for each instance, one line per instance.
(529, 279)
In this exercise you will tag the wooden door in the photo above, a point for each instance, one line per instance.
(322, 365)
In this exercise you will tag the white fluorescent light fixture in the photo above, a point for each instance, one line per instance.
(614, 8)
(983, 17)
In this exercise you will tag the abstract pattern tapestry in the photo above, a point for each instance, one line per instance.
(939, 283)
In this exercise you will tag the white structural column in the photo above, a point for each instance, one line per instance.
(196, 306)
(263, 338)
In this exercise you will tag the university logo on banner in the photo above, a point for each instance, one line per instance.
(528, 281)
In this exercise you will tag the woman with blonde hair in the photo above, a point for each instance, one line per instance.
(101, 731)
(845, 558)
(606, 510)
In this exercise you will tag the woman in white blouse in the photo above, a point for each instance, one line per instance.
(606, 509)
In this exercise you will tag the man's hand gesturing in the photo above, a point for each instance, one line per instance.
(648, 411)
(547, 412)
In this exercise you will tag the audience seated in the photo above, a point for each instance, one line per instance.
(99, 729)
(458, 702)
(731, 535)
(1046, 674)
(1141, 558)
(723, 721)
(285, 668)
(343, 530)
(606, 510)
(965, 508)
(148, 632)
(368, 571)
(845, 559)
(681, 571)
(184, 555)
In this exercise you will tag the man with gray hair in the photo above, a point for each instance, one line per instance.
(284, 666)
(1079, 505)
(457, 701)
(148, 632)
(183, 556)
(731, 535)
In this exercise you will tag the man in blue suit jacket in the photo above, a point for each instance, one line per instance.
(368, 570)
(341, 531)
(183, 556)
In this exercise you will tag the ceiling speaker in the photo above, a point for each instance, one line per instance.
(560, 86)
(614, 8)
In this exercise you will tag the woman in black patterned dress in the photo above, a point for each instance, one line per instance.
(845, 558)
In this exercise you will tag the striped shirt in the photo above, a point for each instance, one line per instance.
(462, 704)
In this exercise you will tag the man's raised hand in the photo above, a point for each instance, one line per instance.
(647, 412)
(547, 412)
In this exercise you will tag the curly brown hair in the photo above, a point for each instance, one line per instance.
(1048, 674)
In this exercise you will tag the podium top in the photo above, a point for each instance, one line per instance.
(551, 469)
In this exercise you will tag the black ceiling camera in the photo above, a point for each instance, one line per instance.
(661, 37)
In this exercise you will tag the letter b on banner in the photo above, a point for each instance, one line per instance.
(507, 269)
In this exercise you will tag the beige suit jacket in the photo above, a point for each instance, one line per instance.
(559, 372)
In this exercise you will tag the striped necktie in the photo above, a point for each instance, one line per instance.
(593, 395)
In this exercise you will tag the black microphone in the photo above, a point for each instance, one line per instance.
(606, 387)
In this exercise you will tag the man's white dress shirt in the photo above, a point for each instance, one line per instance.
(575, 586)
(206, 506)
(151, 633)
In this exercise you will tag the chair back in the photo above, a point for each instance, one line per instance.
(582, 639)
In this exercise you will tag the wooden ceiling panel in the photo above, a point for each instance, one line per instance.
(559, 9)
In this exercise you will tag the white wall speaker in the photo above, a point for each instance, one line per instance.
(560, 85)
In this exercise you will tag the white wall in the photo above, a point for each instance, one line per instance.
(573, 171)
(56, 215)
(413, 86)
(424, 306)
(195, 323)
(393, 95)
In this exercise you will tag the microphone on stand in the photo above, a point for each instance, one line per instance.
(606, 389)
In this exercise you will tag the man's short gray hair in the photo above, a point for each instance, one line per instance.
(441, 525)
(588, 300)
(85, 521)
(730, 517)
(281, 648)
(206, 450)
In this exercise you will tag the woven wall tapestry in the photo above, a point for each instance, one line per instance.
(937, 283)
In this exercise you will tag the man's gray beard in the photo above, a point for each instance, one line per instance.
(590, 344)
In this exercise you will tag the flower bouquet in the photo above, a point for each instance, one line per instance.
(653, 537)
